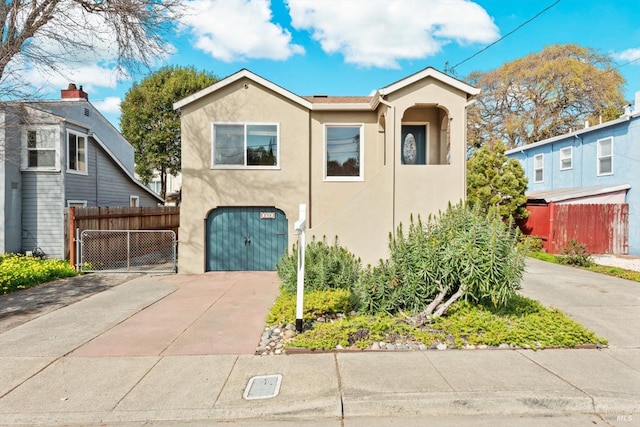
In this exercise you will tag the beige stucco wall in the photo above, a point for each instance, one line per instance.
(205, 189)
(359, 213)
(429, 188)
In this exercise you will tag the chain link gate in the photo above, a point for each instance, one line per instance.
(130, 251)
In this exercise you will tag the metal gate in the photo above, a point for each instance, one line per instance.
(131, 251)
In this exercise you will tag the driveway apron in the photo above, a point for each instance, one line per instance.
(208, 314)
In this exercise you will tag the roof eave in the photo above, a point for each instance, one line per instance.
(244, 73)
(429, 72)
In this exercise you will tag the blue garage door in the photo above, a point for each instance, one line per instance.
(245, 238)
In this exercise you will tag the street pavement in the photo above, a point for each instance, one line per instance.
(178, 350)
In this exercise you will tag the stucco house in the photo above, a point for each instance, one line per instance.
(54, 155)
(252, 152)
(596, 165)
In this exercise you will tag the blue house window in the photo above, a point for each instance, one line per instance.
(76, 153)
(538, 168)
(605, 156)
(40, 148)
(566, 158)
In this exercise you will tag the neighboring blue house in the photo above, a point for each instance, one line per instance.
(596, 164)
(54, 155)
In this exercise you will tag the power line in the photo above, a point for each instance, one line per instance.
(622, 65)
(506, 35)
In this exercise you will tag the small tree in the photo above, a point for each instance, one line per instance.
(495, 180)
(151, 124)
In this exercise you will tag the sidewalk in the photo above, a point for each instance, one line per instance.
(55, 370)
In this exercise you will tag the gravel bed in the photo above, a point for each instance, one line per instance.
(621, 261)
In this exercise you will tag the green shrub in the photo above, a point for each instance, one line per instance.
(459, 252)
(521, 322)
(575, 253)
(22, 272)
(315, 304)
(360, 332)
(531, 244)
(326, 267)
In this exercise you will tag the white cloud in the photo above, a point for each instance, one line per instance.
(379, 33)
(231, 30)
(90, 77)
(628, 55)
(109, 105)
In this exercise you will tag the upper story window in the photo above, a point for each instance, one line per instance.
(244, 145)
(40, 148)
(605, 156)
(343, 152)
(538, 168)
(134, 201)
(76, 152)
(566, 158)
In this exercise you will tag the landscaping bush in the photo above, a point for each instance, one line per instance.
(575, 253)
(326, 267)
(522, 322)
(22, 272)
(315, 304)
(460, 253)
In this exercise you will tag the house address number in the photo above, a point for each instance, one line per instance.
(267, 215)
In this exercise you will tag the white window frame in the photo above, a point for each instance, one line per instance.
(564, 157)
(86, 156)
(244, 166)
(537, 168)
(134, 201)
(360, 177)
(26, 150)
(77, 203)
(601, 157)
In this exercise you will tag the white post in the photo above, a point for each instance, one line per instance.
(300, 226)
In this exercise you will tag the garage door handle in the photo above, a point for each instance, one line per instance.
(247, 240)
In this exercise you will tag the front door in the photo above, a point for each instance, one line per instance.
(245, 238)
(413, 147)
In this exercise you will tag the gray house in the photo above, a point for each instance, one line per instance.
(54, 155)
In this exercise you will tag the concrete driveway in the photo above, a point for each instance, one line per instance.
(607, 305)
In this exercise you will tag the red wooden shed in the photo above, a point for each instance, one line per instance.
(597, 217)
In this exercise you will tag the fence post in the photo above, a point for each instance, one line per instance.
(72, 236)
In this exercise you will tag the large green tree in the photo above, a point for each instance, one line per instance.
(543, 95)
(495, 180)
(151, 124)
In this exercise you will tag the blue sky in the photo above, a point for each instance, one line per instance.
(352, 47)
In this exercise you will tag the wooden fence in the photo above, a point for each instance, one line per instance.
(603, 228)
(118, 218)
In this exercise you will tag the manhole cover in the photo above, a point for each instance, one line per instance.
(263, 387)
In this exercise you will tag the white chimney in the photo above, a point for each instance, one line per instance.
(586, 124)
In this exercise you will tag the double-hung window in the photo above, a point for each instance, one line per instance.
(40, 148)
(538, 168)
(76, 152)
(344, 147)
(605, 156)
(245, 145)
(566, 158)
